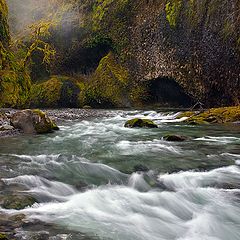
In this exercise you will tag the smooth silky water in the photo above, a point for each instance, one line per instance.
(83, 178)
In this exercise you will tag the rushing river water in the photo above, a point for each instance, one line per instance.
(84, 180)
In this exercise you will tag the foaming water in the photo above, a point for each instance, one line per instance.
(43, 188)
(191, 210)
(104, 181)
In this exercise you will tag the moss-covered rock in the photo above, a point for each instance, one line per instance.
(204, 62)
(33, 121)
(3, 236)
(4, 29)
(17, 201)
(140, 123)
(58, 91)
(14, 88)
(109, 84)
(214, 115)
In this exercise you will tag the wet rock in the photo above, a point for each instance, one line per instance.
(140, 168)
(8, 223)
(43, 235)
(214, 115)
(6, 128)
(17, 202)
(197, 122)
(175, 138)
(87, 107)
(33, 121)
(3, 236)
(140, 123)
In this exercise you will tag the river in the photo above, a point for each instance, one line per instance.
(85, 178)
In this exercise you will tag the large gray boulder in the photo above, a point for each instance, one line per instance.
(33, 121)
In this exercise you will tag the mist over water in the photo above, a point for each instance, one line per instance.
(86, 181)
(24, 13)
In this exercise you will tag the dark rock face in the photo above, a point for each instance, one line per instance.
(140, 123)
(69, 95)
(166, 91)
(4, 31)
(33, 121)
(84, 60)
(191, 47)
(140, 168)
(194, 44)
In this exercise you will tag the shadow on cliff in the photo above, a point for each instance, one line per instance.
(166, 91)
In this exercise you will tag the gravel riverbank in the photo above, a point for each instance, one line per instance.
(58, 115)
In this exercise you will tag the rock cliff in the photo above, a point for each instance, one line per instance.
(164, 52)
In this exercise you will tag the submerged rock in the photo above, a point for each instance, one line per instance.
(140, 123)
(175, 138)
(17, 202)
(140, 168)
(33, 121)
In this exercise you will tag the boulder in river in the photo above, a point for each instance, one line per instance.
(175, 138)
(33, 121)
(17, 202)
(140, 123)
(140, 168)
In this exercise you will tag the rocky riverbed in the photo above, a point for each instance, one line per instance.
(57, 115)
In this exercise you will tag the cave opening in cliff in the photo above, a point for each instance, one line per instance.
(85, 59)
(165, 91)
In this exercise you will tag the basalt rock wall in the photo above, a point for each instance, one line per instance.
(197, 43)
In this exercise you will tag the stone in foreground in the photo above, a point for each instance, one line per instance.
(140, 123)
(175, 138)
(33, 121)
(17, 202)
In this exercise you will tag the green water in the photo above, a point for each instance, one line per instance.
(84, 177)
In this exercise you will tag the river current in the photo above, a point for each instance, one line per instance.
(87, 181)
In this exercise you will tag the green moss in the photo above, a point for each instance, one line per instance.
(4, 29)
(173, 8)
(46, 125)
(110, 22)
(102, 7)
(3, 236)
(140, 123)
(17, 202)
(47, 94)
(186, 114)
(57, 91)
(108, 85)
(14, 88)
(216, 115)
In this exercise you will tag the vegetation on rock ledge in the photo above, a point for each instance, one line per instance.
(214, 115)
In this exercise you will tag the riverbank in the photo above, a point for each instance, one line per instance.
(209, 116)
(57, 115)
